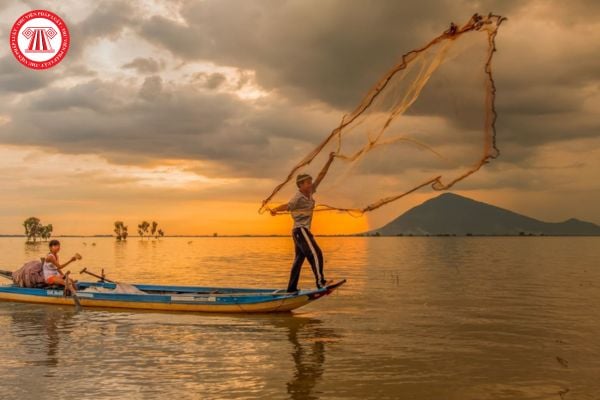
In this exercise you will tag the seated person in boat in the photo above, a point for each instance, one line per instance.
(52, 267)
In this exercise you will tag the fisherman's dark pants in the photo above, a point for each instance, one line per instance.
(306, 248)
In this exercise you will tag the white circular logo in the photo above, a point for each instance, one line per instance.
(39, 39)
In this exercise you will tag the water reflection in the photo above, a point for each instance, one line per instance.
(308, 360)
(40, 329)
(50, 339)
(33, 251)
(120, 253)
(431, 318)
(308, 338)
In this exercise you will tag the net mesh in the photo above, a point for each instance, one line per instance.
(428, 122)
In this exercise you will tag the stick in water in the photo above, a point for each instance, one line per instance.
(71, 288)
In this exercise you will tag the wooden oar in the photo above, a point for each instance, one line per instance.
(6, 274)
(101, 277)
(71, 288)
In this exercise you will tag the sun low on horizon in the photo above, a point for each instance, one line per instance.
(159, 113)
(300, 199)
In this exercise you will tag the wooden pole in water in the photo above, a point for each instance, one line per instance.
(71, 288)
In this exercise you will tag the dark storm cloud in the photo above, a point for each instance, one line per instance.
(96, 96)
(310, 52)
(108, 20)
(158, 120)
(144, 65)
(14, 78)
(209, 80)
(333, 51)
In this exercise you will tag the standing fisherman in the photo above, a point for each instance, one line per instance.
(301, 207)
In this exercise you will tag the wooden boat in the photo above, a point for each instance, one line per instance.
(170, 298)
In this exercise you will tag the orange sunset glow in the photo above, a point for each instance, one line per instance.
(140, 123)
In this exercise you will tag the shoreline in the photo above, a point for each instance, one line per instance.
(441, 235)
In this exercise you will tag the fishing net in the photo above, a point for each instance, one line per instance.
(120, 288)
(428, 122)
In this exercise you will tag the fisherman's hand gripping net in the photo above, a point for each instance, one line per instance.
(429, 121)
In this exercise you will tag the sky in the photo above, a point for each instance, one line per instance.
(190, 112)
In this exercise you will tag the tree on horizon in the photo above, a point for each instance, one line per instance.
(32, 227)
(153, 229)
(45, 231)
(121, 230)
(143, 229)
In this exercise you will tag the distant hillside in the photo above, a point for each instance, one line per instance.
(451, 214)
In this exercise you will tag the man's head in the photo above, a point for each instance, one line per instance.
(304, 182)
(54, 245)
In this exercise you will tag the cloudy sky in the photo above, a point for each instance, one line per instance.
(189, 112)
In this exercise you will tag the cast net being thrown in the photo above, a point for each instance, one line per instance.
(429, 121)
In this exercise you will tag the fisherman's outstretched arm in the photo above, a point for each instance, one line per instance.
(323, 171)
(283, 207)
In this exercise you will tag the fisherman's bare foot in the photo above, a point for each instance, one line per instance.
(325, 284)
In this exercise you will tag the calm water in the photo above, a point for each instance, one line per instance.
(420, 318)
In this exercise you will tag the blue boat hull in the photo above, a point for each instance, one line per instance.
(173, 298)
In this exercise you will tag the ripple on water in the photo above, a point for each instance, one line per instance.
(420, 318)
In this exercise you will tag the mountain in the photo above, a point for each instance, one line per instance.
(451, 214)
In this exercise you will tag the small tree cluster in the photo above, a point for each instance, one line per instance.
(150, 230)
(34, 229)
(121, 230)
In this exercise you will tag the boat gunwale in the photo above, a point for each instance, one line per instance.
(232, 298)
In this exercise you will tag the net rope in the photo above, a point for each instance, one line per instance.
(387, 101)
